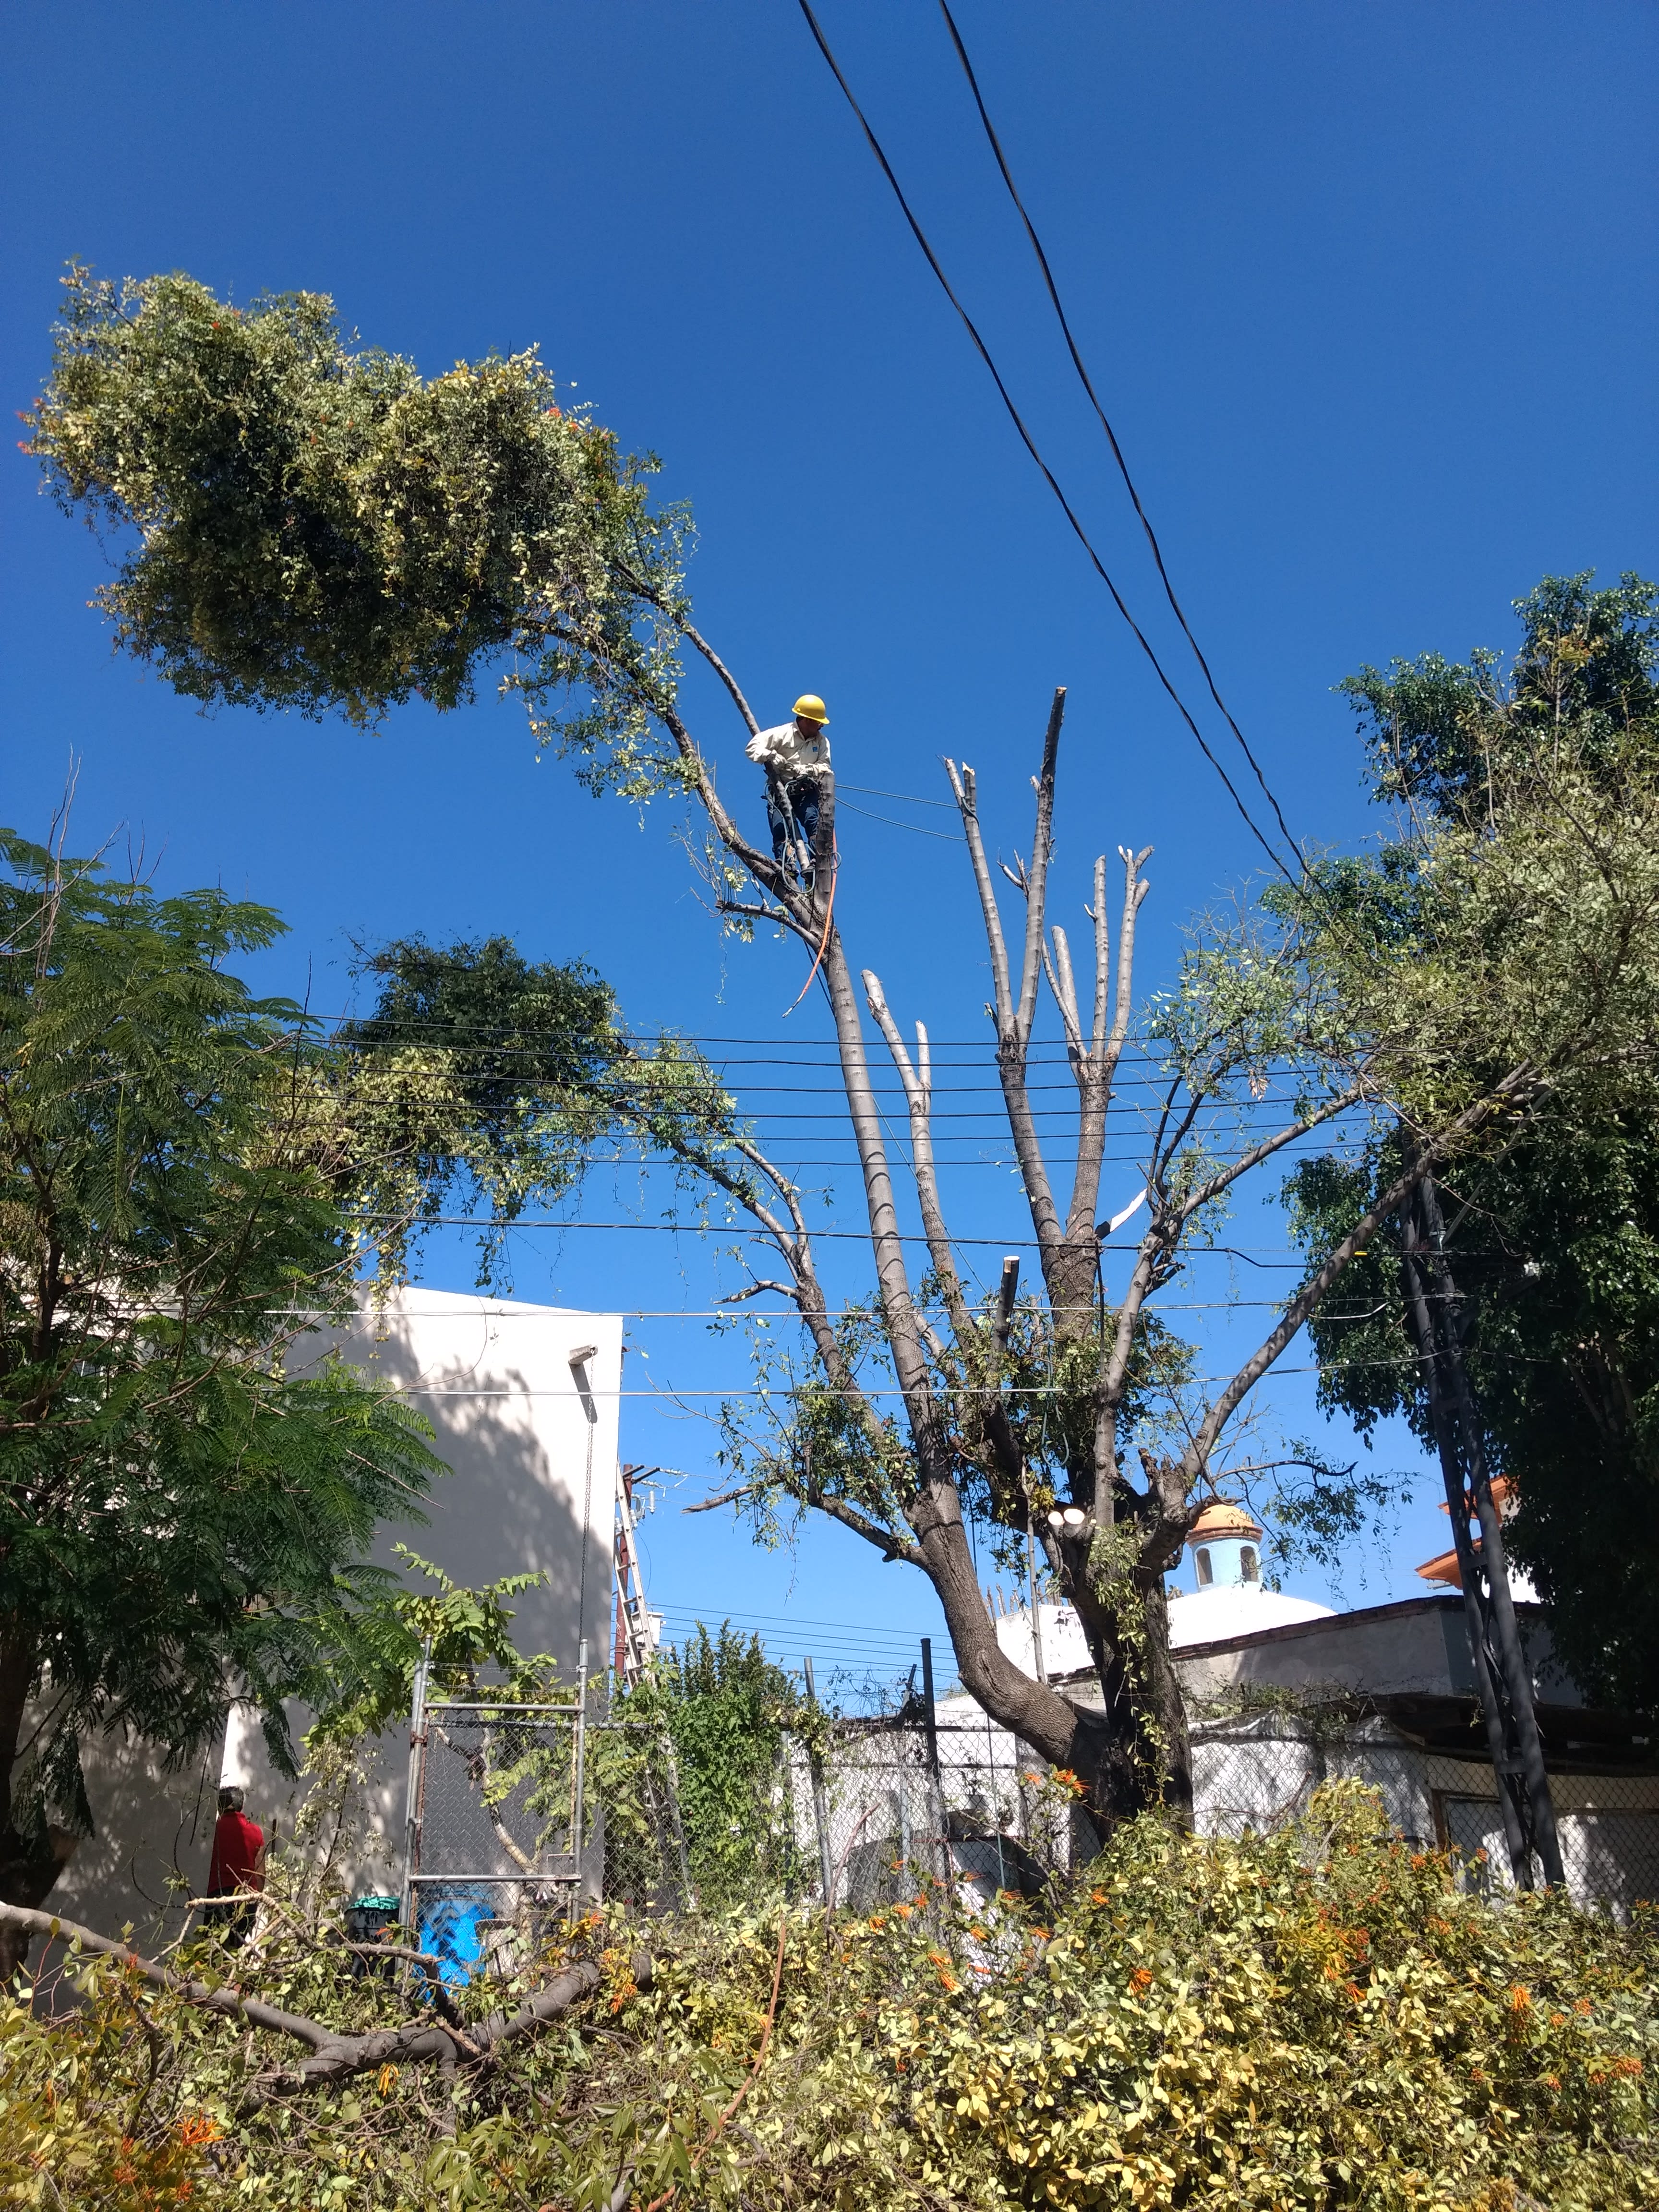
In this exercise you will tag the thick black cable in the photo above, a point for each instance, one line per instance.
(1029, 443)
(1111, 434)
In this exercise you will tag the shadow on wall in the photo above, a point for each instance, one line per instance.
(529, 1440)
(502, 1508)
(524, 1400)
(154, 1828)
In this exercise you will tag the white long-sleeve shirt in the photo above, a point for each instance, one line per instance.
(786, 753)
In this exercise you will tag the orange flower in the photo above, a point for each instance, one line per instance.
(1629, 2067)
(1519, 2000)
(1139, 1980)
(1582, 2006)
(199, 2128)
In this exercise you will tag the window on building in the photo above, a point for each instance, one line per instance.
(1249, 1566)
(1205, 1577)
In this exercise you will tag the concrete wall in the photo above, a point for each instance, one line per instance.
(1419, 1647)
(532, 1459)
(532, 1488)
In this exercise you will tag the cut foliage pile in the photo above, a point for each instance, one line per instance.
(1320, 2019)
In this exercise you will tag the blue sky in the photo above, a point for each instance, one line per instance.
(1370, 292)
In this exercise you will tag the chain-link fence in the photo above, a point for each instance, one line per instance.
(1257, 1774)
(522, 1816)
(493, 1857)
(880, 1804)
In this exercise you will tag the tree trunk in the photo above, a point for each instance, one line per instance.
(31, 1857)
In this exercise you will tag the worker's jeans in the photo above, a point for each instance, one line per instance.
(234, 1918)
(802, 796)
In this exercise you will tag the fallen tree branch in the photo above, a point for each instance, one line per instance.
(335, 2056)
(430, 1965)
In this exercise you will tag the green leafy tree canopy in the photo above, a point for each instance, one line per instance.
(174, 1507)
(320, 527)
(1537, 787)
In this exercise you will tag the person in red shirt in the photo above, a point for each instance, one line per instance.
(236, 1872)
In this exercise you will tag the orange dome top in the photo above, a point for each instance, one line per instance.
(1222, 1516)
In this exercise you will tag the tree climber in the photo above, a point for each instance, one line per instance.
(796, 757)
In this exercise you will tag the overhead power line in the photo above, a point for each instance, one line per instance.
(1111, 434)
(1031, 446)
(740, 1230)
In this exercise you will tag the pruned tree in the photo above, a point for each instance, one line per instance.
(1348, 995)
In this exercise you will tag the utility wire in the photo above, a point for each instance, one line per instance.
(1094, 401)
(1031, 444)
(738, 1230)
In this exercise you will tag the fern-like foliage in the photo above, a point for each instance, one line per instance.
(173, 1506)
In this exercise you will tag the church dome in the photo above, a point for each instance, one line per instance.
(1228, 1609)
(1222, 1516)
(1231, 1601)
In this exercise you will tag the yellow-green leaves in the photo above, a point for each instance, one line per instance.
(318, 527)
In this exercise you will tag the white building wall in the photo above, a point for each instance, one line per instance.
(532, 1488)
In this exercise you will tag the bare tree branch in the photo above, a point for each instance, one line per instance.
(1224, 1177)
(963, 784)
(1037, 883)
(1425, 1160)
(918, 1089)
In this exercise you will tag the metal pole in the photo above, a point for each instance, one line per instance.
(820, 1805)
(1032, 1599)
(1504, 1631)
(417, 1779)
(671, 1770)
(937, 1781)
(1502, 1682)
(578, 1807)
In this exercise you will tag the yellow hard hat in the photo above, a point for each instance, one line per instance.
(811, 708)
